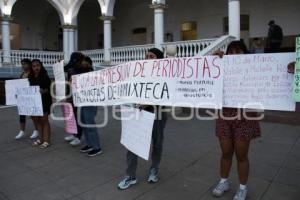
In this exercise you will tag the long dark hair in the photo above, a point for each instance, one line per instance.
(239, 44)
(43, 71)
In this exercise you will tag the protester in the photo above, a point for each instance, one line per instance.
(71, 68)
(157, 140)
(234, 136)
(275, 37)
(88, 114)
(26, 65)
(39, 77)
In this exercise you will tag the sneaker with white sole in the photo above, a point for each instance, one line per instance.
(86, 149)
(75, 142)
(34, 135)
(70, 138)
(221, 188)
(94, 152)
(153, 176)
(241, 194)
(20, 135)
(127, 182)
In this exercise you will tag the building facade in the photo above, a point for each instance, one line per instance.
(110, 30)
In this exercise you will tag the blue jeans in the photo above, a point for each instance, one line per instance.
(88, 115)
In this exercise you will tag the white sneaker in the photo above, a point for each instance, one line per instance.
(240, 194)
(34, 135)
(70, 138)
(20, 135)
(220, 189)
(75, 142)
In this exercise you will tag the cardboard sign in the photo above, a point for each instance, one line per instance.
(296, 91)
(29, 101)
(258, 81)
(60, 82)
(70, 121)
(11, 90)
(137, 130)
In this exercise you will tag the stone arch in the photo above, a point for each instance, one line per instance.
(57, 8)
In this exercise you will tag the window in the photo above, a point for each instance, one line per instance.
(189, 30)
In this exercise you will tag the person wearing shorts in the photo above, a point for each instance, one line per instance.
(235, 130)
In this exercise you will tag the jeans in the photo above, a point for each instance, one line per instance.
(157, 147)
(88, 115)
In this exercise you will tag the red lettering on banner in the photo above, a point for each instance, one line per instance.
(205, 68)
(217, 67)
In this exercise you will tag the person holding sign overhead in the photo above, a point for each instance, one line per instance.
(157, 139)
(39, 77)
(235, 134)
(26, 66)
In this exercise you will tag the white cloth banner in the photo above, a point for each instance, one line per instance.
(60, 81)
(11, 90)
(186, 82)
(137, 130)
(29, 101)
(259, 81)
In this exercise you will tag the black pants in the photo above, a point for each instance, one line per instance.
(22, 119)
(79, 128)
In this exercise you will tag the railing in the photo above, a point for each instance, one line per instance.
(189, 48)
(47, 57)
(96, 55)
(129, 53)
(219, 44)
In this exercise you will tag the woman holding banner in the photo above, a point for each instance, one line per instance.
(39, 77)
(235, 134)
(85, 116)
(157, 140)
(26, 66)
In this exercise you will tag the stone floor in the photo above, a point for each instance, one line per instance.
(188, 171)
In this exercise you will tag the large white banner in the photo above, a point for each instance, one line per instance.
(60, 81)
(259, 81)
(137, 130)
(189, 82)
(11, 90)
(29, 101)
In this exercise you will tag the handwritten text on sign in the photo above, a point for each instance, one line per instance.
(70, 121)
(258, 81)
(29, 101)
(297, 72)
(11, 90)
(191, 82)
(137, 130)
(60, 84)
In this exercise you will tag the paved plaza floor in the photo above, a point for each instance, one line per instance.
(188, 171)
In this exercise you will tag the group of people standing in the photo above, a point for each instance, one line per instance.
(37, 75)
(234, 134)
